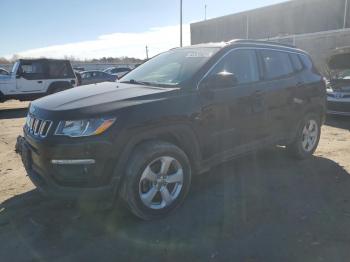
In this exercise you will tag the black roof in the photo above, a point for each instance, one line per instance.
(44, 60)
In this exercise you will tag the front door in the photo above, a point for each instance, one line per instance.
(30, 77)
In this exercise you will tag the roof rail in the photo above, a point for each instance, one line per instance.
(259, 42)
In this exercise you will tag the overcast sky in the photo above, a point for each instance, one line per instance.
(94, 29)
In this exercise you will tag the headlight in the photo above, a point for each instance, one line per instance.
(88, 127)
(330, 89)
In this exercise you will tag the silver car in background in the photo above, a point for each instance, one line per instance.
(338, 84)
(94, 77)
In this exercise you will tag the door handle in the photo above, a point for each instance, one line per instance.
(40, 82)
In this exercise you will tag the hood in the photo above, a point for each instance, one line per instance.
(100, 98)
(339, 59)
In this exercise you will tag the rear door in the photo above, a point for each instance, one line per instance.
(234, 117)
(279, 87)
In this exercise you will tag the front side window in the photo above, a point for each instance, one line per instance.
(32, 70)
(171, 68)
(242, 64)
(276, 63)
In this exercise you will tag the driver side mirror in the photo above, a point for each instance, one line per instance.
(220, 80)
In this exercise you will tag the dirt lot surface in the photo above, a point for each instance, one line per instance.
(262, 207)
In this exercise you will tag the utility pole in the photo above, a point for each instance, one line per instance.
(147, 52)
(345, 13)
(247, 28)
(205, 12)
(180, 23)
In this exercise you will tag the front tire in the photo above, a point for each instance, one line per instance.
(158, 178)
(307, 137)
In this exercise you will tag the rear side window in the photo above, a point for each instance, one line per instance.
(86, 75)
(276, 63)
(296, 62)
(241, 63)
(59, 69)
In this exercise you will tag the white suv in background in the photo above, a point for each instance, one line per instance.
(30, 79)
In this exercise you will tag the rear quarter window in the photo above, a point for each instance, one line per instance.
(298, 66)
(276, 64)
(60, 69)
(306, 61)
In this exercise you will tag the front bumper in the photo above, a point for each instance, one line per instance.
(83, 180)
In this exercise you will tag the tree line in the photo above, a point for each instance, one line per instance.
(103, 60)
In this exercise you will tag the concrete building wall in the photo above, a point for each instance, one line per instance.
(288, 18)
(316, 26)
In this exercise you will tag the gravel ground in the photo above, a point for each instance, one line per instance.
(262, 207)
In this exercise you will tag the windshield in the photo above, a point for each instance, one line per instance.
(340, 74)
(171, 68)
(14, 68)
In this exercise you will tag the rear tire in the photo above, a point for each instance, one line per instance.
(307, 137)
(158, 178)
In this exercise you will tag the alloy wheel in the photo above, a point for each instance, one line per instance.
(161, 182)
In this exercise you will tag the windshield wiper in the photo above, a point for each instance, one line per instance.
(133, 81)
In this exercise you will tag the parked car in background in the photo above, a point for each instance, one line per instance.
(179, 114)
(117, 71)
(94, 77)
(338, 83)
(3, 72)
(79, 69)
(33, 78)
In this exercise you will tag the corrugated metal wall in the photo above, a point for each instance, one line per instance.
(289, 18)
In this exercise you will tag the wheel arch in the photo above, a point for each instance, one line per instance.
(317, 109)
(181, 136)
(58, 84)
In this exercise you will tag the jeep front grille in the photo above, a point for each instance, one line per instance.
(38, 127)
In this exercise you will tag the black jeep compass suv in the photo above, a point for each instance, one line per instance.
(180, 113)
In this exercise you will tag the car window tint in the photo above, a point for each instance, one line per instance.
(306, 61)
(241, 63)
(86, 75)
(277, 64)
(58, 69)
(32, 70)
(296, 62)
